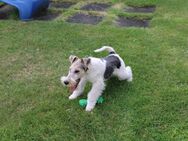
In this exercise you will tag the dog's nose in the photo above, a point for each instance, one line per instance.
(66, 82)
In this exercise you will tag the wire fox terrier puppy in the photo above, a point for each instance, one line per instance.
(96, 71)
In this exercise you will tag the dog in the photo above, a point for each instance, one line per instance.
(96, 71)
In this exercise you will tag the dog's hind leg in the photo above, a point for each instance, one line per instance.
(79, 90)
(95, 93)
(124, 73)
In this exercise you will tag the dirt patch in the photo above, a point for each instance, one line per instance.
(62, 4)
(85, 19)
(47, 15)
(96, 7)
(132, 22)
(145, 9)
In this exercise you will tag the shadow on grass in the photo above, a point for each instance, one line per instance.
(116, 88)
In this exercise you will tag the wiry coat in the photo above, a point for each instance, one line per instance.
(96, 71)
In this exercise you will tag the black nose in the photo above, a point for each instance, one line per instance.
(66, 82)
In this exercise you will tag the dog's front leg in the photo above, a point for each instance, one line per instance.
(79, 90)
(94, 94)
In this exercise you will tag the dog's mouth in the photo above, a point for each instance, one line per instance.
(77, 82)
(74, 86)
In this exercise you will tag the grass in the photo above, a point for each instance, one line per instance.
(1, 4)
(154, 107)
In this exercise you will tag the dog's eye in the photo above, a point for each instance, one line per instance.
(76, 71)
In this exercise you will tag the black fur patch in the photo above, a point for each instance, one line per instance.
(112, 52)
(74, 59)
(112, 62)
(88, 61)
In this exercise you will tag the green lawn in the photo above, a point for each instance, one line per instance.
(154, 107)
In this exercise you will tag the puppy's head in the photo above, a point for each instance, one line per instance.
(77, 70)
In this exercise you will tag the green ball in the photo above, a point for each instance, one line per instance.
(83, 102)
(100, 100)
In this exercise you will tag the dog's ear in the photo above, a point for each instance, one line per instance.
(86, 62)
(72, 58)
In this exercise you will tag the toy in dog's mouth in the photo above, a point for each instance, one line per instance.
(73, 86)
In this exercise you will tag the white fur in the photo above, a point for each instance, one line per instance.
(108, 48)
(95, 75)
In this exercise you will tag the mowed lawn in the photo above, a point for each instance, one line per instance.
(154, 107)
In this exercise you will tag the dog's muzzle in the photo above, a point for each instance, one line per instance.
(66, 81)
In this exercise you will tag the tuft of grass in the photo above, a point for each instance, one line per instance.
(141, 2)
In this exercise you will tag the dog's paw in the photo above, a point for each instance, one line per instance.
(90, 107)
(130, 75)
(130, 79)
(72, 96)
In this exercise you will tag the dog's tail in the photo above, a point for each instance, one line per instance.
(108, 48)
